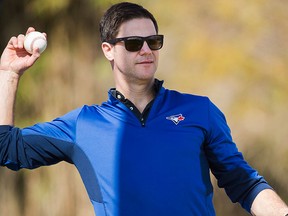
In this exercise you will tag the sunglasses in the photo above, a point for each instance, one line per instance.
(135, 43)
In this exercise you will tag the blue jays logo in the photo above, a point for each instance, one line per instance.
(176, 118)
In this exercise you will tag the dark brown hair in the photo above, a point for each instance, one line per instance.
(118, 14)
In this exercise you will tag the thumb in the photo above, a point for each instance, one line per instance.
(35, 55)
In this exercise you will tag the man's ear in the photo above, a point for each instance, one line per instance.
(107, 50)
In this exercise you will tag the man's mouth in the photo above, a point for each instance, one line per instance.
(146, 62)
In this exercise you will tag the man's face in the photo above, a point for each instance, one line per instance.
(139, 65)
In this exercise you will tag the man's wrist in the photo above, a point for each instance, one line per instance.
(9, 76)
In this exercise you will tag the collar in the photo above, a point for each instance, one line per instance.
(120, 97)
(141, 116)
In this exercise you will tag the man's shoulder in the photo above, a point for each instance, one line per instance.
(175, 94)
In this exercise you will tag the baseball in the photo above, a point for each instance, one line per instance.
(35, 40)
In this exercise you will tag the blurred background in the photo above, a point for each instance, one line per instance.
(235, 52)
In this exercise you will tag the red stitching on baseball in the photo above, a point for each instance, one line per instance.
(36, 38)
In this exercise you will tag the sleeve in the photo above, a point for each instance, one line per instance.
(241, 182)
(39, 145)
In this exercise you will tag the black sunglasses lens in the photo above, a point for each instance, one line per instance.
(155, 43)
(134, 44)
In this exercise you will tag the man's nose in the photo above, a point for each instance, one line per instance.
(145, 48)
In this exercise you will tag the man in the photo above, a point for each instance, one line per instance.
(147, 150)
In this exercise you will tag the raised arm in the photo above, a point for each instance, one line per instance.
(15, 60)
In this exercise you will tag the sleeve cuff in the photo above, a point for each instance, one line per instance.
(253, 193)
(4, 128)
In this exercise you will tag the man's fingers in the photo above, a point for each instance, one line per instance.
(44, 35)
(20, 41)
(30, 29)
(17, 42)
(13, 42)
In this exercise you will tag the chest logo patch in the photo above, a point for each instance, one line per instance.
(176, 118)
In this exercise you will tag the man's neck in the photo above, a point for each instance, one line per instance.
(140, 94)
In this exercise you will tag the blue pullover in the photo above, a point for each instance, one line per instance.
(130, 168)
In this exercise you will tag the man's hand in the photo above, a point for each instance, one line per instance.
(14, 61)
(15, 58)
